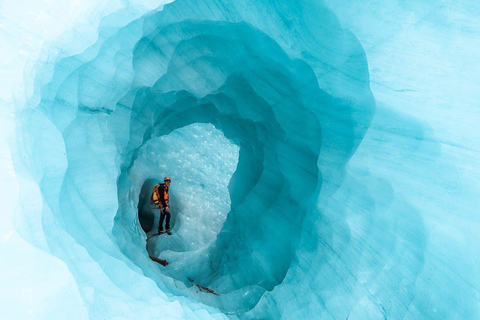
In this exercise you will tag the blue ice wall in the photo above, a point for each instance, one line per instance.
(257, 110)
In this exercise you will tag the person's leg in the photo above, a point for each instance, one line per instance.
(162, 217)
(167, 223)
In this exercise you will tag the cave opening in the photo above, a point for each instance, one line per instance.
(200, 160)
(210, 167)
(247, 248)
(267, 191)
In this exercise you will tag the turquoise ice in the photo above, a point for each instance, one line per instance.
(324, 161)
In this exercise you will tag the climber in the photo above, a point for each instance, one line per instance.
(160, 198)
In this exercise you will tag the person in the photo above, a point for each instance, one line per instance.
(160, 197)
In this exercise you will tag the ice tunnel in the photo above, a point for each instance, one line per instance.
(254, 109)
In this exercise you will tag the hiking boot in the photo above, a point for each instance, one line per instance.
(169, 232)
(161, 232)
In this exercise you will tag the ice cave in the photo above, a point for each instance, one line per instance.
(324, 159)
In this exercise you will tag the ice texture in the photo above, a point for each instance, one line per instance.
(294, 193)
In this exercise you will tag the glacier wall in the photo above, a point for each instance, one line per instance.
(283, 203)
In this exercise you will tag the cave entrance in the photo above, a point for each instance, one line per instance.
(265, 194)
(200, 160)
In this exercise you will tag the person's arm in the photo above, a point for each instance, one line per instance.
(163, 198)
(167, 205)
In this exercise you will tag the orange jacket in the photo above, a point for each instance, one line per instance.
(160, 195)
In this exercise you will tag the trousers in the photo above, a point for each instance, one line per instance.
(164, 214)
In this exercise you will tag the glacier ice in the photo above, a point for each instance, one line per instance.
(294, 192)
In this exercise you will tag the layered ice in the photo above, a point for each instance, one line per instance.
(294, 193)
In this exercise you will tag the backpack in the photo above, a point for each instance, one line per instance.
(157, 194)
